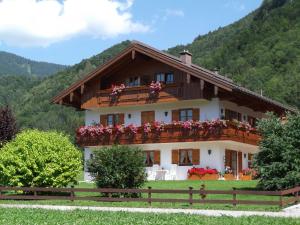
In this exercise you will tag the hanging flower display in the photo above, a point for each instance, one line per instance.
(147, 128)
(120, 129)
(132, 129)
(155, 88)
(159, 126)
(117, 90)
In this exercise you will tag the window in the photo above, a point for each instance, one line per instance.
(149, 158)
(160, 77)
(250, 160)
(185, 114)
(185, 157)
(133, 81)
(169, 78)
(113, 119)
(232, 115)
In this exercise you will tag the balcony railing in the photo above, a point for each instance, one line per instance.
(140, 95)
(171, 133)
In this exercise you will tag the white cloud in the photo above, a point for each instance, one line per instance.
(174, 12)
(41, 23)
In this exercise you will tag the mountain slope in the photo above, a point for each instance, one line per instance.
(11, 64)
(260, 52)
(38, 112)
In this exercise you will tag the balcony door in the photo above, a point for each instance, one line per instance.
(147, 117)
(233, 159)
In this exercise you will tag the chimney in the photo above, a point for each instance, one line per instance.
(186, 57)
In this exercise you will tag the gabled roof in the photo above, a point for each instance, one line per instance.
(192, 69)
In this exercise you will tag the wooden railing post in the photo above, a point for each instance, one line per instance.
(234, 196)
(72, 194)
(191, 196)
(280, 201)
(149, 195)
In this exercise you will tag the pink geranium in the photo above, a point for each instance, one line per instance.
(116, 90)
(147, 128)
(159, 126)
(132, 129)
(155, 87)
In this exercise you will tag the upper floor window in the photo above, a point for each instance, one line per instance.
(232, 115)
(185, 114)
(160, 77)
(167, 78)
(133, 81)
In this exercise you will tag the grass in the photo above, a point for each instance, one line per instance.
(210, 185)
(40, 216)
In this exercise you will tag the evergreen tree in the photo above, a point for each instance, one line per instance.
(278, 160)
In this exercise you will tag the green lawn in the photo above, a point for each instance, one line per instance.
(210, 185)
(39, 216)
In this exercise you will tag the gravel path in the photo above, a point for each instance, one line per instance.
(293, 211)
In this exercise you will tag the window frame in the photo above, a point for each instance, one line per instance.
(169, 75)
(115, 119)
(161, 76)
(187, 117)
(134, 81)
(147, 162)
(188, 155)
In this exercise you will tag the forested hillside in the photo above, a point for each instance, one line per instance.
(11, 64)
(261, 52)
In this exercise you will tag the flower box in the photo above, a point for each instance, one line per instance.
(210, 177)
(229, 176)
(194, 177)
(246, 177)
(204, 177)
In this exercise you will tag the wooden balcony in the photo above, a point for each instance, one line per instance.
(140, 95)
(172, 133)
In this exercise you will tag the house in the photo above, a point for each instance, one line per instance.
(182, 93)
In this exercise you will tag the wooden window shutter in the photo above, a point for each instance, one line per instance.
(196, 114)
(240, 161)
(103, 120)
(121, 118)
(175, 115)
(196, 156)
(175, 156)
(227, 158)
(157, 157)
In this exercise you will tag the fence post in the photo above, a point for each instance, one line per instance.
(72, 194)
(149, 195)
(191, 196)
(234, 196)
(296, 196)
(203, 196)
(34, 193)
(280, 201)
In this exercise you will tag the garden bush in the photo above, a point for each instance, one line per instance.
(278, 160)
(39, 159)
(118, 167)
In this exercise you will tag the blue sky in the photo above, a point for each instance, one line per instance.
(67, 33)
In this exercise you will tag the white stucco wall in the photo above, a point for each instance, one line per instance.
(215, 160)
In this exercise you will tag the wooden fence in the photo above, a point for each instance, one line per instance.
(193, 196)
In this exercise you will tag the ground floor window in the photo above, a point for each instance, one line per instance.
(185, 157)
(250, 159)
(149, 158)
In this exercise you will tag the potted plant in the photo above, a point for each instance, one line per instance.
(154, 89)
(228, 174)
(246, 174)
(203, 174)
(116, 91)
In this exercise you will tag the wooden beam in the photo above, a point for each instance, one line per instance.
(188, 78)
(202, 82)
(71, 96)
(133, 54)
(216, 90)
(82, 89)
